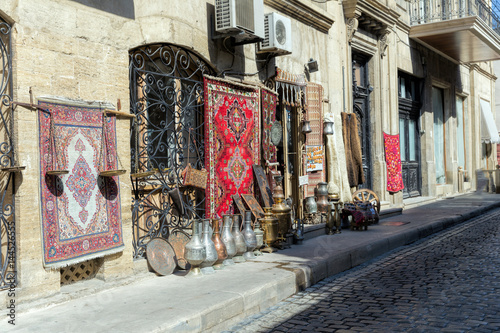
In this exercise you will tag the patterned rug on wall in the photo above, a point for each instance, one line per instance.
(314, 113)
(232, 142)
(269, 151)
(393, 161)
(80, 211)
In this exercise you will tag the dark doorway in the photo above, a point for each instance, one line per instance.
(409, 134)
(361, 91)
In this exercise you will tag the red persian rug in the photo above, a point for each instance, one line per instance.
(81, 217)
(269, 151)
(232, 142)
(393, 161)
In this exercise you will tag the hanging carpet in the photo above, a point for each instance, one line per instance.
(314, 114)
(80, 211)
(232, 142)
(393, 161)
(352, 143)
(269, 151)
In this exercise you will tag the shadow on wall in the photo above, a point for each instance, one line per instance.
(124, 8)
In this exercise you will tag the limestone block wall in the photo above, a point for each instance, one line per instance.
(80, 50)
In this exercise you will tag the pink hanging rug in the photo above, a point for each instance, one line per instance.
(393, 161)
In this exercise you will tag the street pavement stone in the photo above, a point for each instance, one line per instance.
(448, 282)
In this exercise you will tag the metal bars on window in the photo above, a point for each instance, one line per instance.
(166, 86)
(8, 268)
(429, 11)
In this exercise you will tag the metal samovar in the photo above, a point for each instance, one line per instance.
(282, 212)
(270, 226)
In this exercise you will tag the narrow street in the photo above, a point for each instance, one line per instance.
(448, 282)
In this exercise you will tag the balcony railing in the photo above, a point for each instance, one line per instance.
(431, 11)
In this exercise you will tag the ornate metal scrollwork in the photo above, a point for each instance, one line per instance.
(166, 85)
(8, 251)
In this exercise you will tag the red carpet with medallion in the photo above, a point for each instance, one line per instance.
(232, 142)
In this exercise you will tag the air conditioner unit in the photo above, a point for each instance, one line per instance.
(242, 18)
(278, 31)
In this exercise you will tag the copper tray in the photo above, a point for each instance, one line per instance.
(161, 256)
(178, 240)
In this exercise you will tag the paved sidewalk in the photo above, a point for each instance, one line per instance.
(177, 303)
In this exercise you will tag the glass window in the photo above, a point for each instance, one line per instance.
(412, 142)
(438, 110)
(402, 139)
(461, 152)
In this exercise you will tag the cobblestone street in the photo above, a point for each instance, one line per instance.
(449, 282)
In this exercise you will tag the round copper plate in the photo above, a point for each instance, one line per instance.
(178, 239)
(161, 256)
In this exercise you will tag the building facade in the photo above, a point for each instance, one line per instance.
(390, 64)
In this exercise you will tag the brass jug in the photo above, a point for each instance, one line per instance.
(206, 265)
(259, 234)
(219, 245)
(280, 210)
(194, 251)
(322, 195)
(228, 239)
(239, 240)
(250, 238)
(270, 227)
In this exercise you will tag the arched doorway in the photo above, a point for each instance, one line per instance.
(166, 95)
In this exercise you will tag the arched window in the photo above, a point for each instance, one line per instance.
(166, 87)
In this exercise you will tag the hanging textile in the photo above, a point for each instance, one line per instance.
(393, 161)
(354, 159)
(293, 87)
(269, 100)
(337, 169)
(314, 114)
(232, 142)
(81, 211)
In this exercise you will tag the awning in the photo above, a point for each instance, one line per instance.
(489, 131)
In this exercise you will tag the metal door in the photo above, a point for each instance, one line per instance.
(410, 147)
(166, 86)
